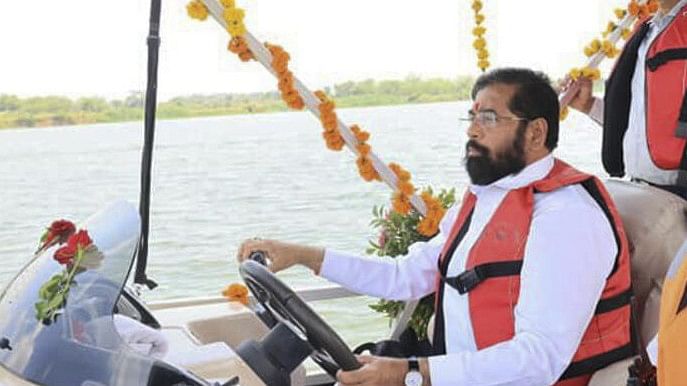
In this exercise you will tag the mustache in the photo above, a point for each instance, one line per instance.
(483, 150)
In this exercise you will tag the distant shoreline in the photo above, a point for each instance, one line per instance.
(54, 111)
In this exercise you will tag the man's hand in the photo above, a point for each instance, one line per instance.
(582, 98)
(282, 255)
(376, 371)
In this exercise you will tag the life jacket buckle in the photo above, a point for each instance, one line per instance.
(466, 281)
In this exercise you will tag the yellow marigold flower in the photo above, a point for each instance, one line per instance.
(400, 203)
(479, 19)
(197, 10)
(609, 49)
(626, 33)
(482, 54)
(479, 43)
(479, 31)
(234, 18)
(575, 73)
(620, 13)
(228, 3)
(591, 73)
(483, 64)
(236, 293)
(564, 113)
(233, 14)
(477, 5)
(236, 30)
(609, 29)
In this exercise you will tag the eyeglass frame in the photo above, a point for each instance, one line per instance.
(472, 117)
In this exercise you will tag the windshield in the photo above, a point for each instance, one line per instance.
(70, 339)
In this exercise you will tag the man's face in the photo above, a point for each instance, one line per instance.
(496, 145)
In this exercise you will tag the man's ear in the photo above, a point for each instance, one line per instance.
(536, 133)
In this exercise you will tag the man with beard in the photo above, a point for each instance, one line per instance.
(531, 272)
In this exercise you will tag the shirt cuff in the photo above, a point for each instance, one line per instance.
(597, 111)
(334, 264)
(441, 370)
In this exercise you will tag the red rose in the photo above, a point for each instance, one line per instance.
(60, 229)
(65, 255)
(80, 240)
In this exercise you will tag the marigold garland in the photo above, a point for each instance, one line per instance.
(280, 65)
(401, 203)
(480, 43)
(607, 47)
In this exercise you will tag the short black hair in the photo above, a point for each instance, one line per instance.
(534, 96)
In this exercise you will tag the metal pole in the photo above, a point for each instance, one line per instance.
(147, 158)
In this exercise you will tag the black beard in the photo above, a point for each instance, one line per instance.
(484, 169)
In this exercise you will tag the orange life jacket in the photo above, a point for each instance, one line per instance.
(492, 277)
(665, 99)
(672, 330)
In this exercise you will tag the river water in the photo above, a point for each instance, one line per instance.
(219, 180)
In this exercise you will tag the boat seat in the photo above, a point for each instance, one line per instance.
(656, 226)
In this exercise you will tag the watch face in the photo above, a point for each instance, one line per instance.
(413, 378)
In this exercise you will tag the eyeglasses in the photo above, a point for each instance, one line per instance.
(489, 119)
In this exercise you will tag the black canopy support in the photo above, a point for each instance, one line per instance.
(147, 158)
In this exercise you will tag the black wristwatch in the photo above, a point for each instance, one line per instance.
(413, 376)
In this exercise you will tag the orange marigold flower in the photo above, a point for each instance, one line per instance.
(366, 169)
(236, 292)
(401, 174)
(296, 103)
(360, 134)
(653, 6)
(406, 187)
(400, 203)
(237, 44)
(321, 95)
(334, 141)
(363, 149)
(633, 8)
(245, 56)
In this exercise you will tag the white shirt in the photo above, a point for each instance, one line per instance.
(638, 162)
(569, 254)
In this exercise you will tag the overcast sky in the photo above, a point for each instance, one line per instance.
(97, 48)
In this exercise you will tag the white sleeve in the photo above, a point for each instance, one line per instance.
(402, 278)
(569, 254)
(597, 111)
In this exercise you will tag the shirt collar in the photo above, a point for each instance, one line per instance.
(661, 19)
(532, 172)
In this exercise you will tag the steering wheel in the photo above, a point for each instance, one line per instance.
(330, 351)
